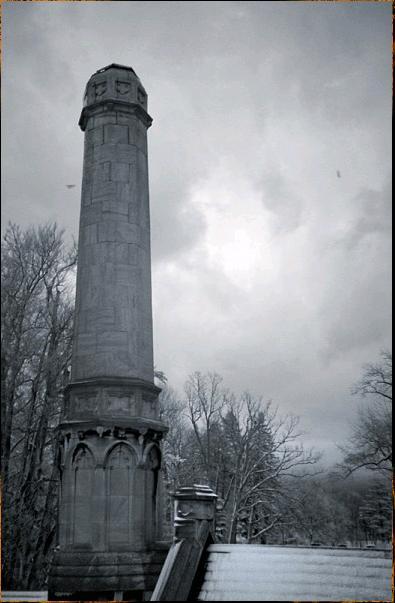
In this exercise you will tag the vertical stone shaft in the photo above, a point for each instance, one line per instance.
(109, 522)
(113, 330)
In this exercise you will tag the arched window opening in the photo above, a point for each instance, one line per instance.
(82, 496)
(153, 465)
(119, 482)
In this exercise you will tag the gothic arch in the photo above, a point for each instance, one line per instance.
(152, 458)
(108, 451)
(82, 478)
(72, 452)
(120, 468)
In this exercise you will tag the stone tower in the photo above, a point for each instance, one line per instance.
(109, 516)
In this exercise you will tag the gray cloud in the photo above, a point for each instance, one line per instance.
(282, 201)
(373, 215)
(266, 266)
(176, 225)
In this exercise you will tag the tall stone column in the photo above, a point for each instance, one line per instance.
(109, 520)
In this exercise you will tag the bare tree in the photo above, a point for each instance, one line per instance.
(262, 449)
(36, 322)
(174, 446)
(204, 400)
(370, 444)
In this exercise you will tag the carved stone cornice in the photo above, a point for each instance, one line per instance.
(133, 425)
(113, 381)
(99, 440)
(101, 107)
(110, 398)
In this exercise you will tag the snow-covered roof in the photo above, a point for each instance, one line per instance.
(282, 573)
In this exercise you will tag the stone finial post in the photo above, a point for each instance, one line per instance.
(194, 509)
(194, 531)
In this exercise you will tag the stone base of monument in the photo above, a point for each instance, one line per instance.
(105, 576)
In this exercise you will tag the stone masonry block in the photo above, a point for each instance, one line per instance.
(104, 152)
(120, 172)
(114, 253)
(134, 212)
(91, 298)
(86, 189)
(110, 363)
(144, 238)
(88, 154)
(123, 318)
(86, 194)
(91, 214)
(138, 136)
(133, 125)
(117, 231)
(85, 366)
(142, 167)
(95, 136)
(90, 123)
(89, 234)
(126, 191)
(133, 254)
(107, 118)
(125, 118)
(134, 176)
(125, 273)
(86, 343)
(88, 176)
(124, 153)
(102, 319)
(116, 134)
(115, 207)
(83, 321)
(102, 171)
(103, 189)
(87, 255)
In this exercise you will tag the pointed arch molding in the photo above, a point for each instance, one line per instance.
(120, 488)
(100, 439)
(82, 483)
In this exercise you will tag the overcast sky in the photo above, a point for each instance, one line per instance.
(268, 267)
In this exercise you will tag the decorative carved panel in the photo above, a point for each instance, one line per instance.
(86, 403)
(141, 96)
(100, 88)
(118, 403)
(122, 87)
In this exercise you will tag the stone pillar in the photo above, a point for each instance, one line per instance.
(110, 432)
(193, 532)
(194, 512)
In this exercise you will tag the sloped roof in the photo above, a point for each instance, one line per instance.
(282, 573)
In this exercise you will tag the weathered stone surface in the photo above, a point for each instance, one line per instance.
(110, 514)
(94, 136)
(106, 572)
(102, 120)
(116, 134)
(115, 207)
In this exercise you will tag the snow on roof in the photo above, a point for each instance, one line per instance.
(281, 573)
(25, 595)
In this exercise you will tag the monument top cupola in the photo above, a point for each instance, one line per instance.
(115, 83)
